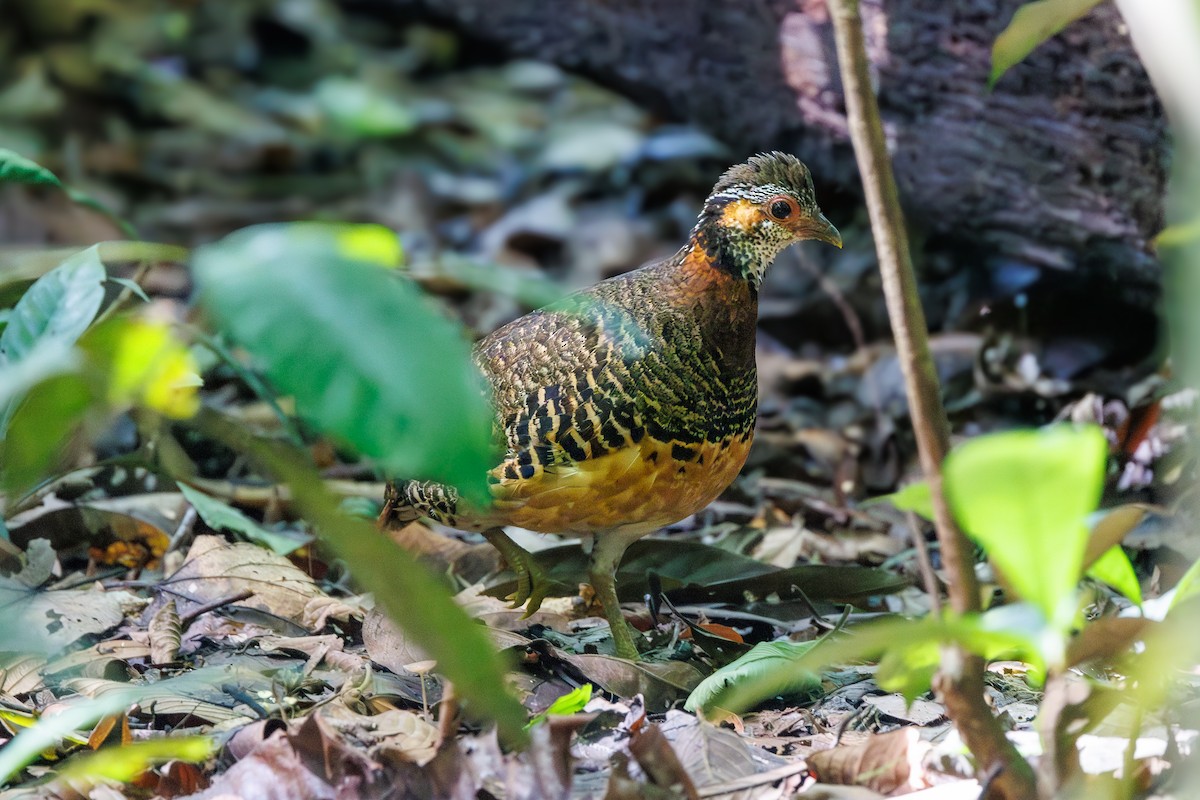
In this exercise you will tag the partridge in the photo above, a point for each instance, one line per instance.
(630, 405)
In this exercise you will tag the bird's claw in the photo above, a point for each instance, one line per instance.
(533, 585)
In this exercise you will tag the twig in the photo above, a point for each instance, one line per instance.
(960, 681)
(191, 616)
(925, 565)
(184, 529)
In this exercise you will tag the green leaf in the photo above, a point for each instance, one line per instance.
(132, 286)
(16, 168)
(1188, 586)
(1033, 24)
(219, 516)
(910, 648)
(1025, 497)
(413, 597)
(128, 761)
(46, 359)
(60, 305)
(46, 733)
(40, 429)
(1114, 569)
(769, 667)
(914, 497)
(359, 109)
(367, 357)
(569, 703)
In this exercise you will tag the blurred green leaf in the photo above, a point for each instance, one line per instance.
(357, 108)
(40, 429)
(1188, 586)
(1033, 24)
(1114, 569)
(1025, 497)
(144, 363)
(367, 357)
(128, 761)
(910, 650)
(46, 359)
(219, 516)
(48, 318)
(80, 713)
(914, 497)
(16, 168)
(413, 597)
(768, 667)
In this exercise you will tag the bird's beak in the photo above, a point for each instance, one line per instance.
(823, 231)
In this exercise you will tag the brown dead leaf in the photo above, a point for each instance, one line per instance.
(323, 608)
(60, 617)
(277, 765)
(173, 779)
(661, 683)
(216, 569)
(131, 531)
(659, 761)
(405, 734)
(165, 632)
(387, 645)
(889, 763)
(716, 757)
(21, 673)
(920, 712)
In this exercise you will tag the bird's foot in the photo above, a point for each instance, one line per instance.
(533, 584)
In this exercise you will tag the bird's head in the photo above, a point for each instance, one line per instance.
(756, 210)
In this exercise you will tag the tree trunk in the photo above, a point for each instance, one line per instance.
(1061, 167)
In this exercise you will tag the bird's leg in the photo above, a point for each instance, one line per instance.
(532, 582)
(602, 568)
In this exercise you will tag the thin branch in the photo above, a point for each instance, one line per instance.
(961, 680)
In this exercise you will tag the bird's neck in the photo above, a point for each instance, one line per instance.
(722, 234)
(723, 304)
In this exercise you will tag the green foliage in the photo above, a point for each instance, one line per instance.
(1033, 24)
(40, 429)
(366, 357)
(16, 168)
(914, 497)
(31, 742)
(1114, 569)
(769, 669)
(357, 109)
(58, 307)
(1025, 497)
(411, 595)
(909, 652)
(127, 762)
(570, 703)
(36, 348)
(1188, 586)
(219, 516)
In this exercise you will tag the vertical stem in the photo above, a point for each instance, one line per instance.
(960, 682)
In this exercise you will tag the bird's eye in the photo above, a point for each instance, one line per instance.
(782, 207)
